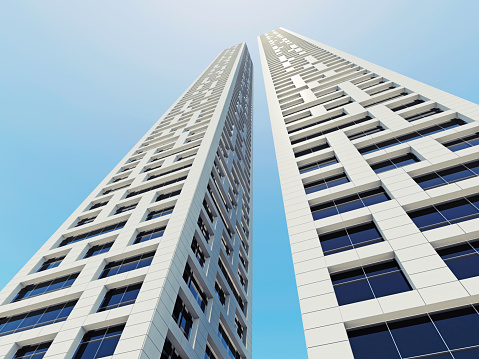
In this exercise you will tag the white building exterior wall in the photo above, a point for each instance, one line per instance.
(290, 56)
(212, 110)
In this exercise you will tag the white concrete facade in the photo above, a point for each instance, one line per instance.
(192, 169)
(325, 108)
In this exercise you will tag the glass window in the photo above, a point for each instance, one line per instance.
(328, 182)
(45, 287)
(195, 288)
(366, 132)
(159, 185)
(35, 351)
(373, 281)
(317, 164)
(127, 264)
(94, 233)
(349, 203)
(169, 351)
(36, 318)
(348, 238)
(448, 175)
(50, 263)
(311, 150)
(443, 214)
(183, 317)
(98, 249)
(313, 123)
(198, 252)
(462, 259)
(448, 334)
(424, 114)
(120, 297)
(99, 343)
(412, 135)
(227, 343)
(126, 208)
(160, 213)
(148, 235)
(396, 162)
(209, 353)
(463, 142)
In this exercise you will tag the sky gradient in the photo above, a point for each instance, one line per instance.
(81, 83)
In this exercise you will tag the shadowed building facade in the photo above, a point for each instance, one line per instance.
(155, 263)
(379, 176)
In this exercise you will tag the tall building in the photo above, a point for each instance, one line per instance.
(156, 262)
(379, 176)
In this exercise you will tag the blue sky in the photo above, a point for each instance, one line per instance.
(81, 82)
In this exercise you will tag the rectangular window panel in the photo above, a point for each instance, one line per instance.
(311, 150)
(99, 343)
(35, 351)
(91, 234)
(160, 213)
(349, 203)
(463, 142)
(163, 184)
(412, 135)
(373, 281)
(183, 317)
(198, 252)
(50, 263)
(98, 249)
(348, 238)
(446, 213)
(126, 208)
(45, 287)
(447, 334)
(315, 123)
(127, 264)
(227, 343)
(167, 195)
(395, 162)
(195, 288)
(36, 318)
(328, 182)
(462, 259)
(149, 235)
(169, 351)
(120, 297)
(448, 175)
(424, 114)
(365, 132)
(317, 164)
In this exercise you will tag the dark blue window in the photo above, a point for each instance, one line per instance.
(373, 281)
(209, 353)
(36, 318)
(393, 163)
(120, 297)
(46, 287)
(168, 172)
(348, 238)
(126, 208)
(448, 175)
(50, 263)
(99, 343)
(462, 259)
(329, 130)
(317, 164)
(227, 343)
(159, 185)
(198, 252)
(328, 182)
(182, 317)
(167, 195)
(314, 123)
(195, 288)
(148, 235)
(349, 203)
(98, 249)
(169, 351)
(159, 213)
(446, 213)
(407, 105)
(412, 135)
(98, 204)
(94, 233)
(424, 114)
(127, 264)
(463, 142)
(365, 132)
(449, 334)
(220, 293)
(311, 150)
(35, 351)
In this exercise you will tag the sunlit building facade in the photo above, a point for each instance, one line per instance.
(379, 176)
(156, 262)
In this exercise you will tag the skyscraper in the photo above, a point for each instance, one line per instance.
(379, 176)
(155, 263)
